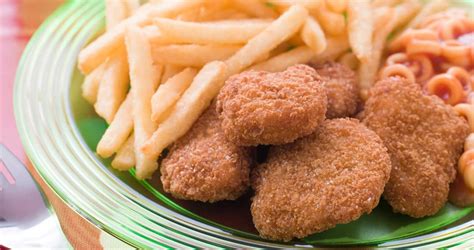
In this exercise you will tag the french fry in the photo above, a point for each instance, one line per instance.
(205, 12)
(131, 5)
(156, 37)
(338, 6)
(430, 8)
(169, 71)
(192, 55)
(386, 22)
(406, 11)
(313, 36)
(226, 14)
(384, 3)
(143, 80)
(169, 92)
(302, 54)
(255, 8)
(336, 47)
(118, 131)
(113, 87)
(333, 24)
(280, 30)
(224, 32)
(97, 51)
(125, 157)
(310, 5)
(361, 28)
(90, 87)
(115, 12)
(190, 15)
(189, 107)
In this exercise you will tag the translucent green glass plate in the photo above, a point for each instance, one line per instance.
(60, 131)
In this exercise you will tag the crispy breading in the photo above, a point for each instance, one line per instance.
(330, 177)
(425, 139)
(258, 107)
(204, 166)
(341, 87)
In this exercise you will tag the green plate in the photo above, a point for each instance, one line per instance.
(60, 132)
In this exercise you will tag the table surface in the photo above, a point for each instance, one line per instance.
(18, 20)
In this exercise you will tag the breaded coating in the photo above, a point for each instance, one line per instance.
(425, 140)
(342, 89)
(330, 177)
(204, 166)
(258, 107)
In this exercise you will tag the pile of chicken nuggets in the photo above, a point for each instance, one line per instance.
(330, 158)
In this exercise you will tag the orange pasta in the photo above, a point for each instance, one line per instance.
(399, 70)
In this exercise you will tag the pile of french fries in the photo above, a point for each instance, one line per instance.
(158, 66)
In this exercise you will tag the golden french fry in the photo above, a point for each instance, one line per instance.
(310, 5)
(189, 107)
(336, 47)
(90, 87)
(386, 3)
(143, 80)
(225, 14)
(279, 30)
(386, 22)
(169, 71)
(190, 15)
(125, 157)
(192, 54)
(313, 36)
(223, 32)
(361, 28)
(113, 87)
(204, 12)
(169, 92)
(302, 54)
(131, 5)
(350, 60)
(97, 51)
(430, 8)
(255, 8)
(338, 6)
(115, 12)
(118, 131)
(156, 37)
(406, 11)
(333, 24)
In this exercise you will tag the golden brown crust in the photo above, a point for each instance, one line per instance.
(204, 166)
(341, 87)
(330, 177)
(259, 107)
(425, 140)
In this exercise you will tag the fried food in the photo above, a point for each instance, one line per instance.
(258, 107)
(331, 177)
(204, 166)
(341, 88)
(424, 138)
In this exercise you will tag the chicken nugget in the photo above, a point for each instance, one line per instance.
(425, 139)
(258, 107)
(204, 166)
(342, 89)
(330, 177)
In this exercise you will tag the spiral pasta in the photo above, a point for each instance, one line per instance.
(453, 86)
(466, 162)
